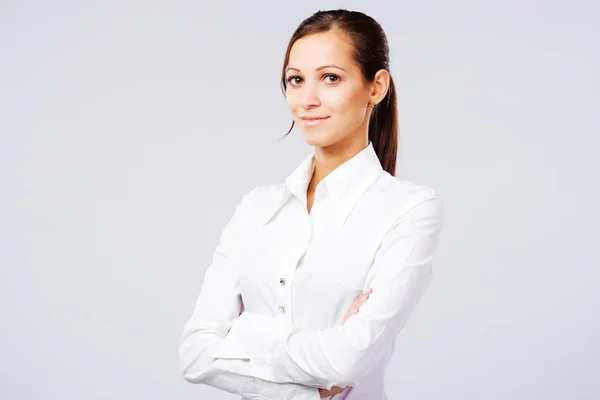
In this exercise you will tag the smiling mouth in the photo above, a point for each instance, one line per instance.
(311, 121)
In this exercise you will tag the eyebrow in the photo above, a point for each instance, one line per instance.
(318, 69)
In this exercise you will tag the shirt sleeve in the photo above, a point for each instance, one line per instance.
(218, 305)
(278, 351)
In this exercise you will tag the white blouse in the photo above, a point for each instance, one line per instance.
(267, 322)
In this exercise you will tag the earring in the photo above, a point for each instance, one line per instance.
(372, 104)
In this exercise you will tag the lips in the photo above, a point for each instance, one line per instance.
(312, 118)
(313, 121)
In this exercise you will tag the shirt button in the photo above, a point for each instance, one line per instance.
(282, 309)
(282, 281)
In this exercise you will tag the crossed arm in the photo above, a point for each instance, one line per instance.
(218, 305)
(266, 354)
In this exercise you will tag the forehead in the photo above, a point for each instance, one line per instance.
(313, 51)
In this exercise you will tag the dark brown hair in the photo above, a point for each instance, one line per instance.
(371, 53)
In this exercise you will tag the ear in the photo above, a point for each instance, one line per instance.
(380, 86)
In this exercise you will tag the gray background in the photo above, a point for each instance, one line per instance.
(130, 130)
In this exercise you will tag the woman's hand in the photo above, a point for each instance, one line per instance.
(334, 390)
(355, 306)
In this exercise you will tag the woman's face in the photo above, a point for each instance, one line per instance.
(326, 92)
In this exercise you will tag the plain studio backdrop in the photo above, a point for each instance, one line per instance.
(130, 130)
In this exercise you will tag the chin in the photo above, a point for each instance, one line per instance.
(319, 139)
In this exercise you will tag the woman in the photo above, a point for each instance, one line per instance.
(314, 278)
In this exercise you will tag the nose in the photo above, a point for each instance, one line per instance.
(309, 97)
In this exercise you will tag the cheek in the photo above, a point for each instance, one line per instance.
(290, 96)
(292, 102)
(349, 108)
(289, 100)
(346, 101)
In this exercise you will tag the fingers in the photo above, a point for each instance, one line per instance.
(360, 300)
(363, 297)
(355, 306)
(334, 390)
(358, 303)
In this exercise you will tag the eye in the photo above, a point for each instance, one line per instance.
(294, 80)
(333, 78)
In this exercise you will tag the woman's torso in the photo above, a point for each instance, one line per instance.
(309, 268)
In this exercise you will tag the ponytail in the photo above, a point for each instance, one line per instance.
(383, 130)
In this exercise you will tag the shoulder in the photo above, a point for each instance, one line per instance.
(404, 197)
(258, 202)
(262, 196)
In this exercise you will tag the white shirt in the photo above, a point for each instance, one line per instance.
(292, 276)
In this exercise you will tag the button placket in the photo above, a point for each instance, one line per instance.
(289, 270)
(282, 283)
(285, 289)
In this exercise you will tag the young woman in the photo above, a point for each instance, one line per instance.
(314, 278)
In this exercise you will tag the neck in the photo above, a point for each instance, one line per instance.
(328, 158)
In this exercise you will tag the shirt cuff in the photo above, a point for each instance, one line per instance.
(251, 347)
(271, 391)
(307, 393)
(257, 339)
